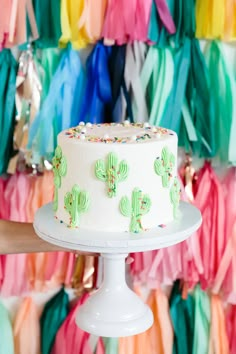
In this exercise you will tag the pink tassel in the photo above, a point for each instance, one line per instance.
(133, 21)
(165, 16)
(210, 200)
(70, 338)
(4, 203)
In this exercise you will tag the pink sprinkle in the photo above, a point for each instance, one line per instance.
(162, 226)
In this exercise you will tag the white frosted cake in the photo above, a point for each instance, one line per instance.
(116, 177)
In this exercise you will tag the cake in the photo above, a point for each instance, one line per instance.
(116, 177)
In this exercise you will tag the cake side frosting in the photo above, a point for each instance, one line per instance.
(121, 168)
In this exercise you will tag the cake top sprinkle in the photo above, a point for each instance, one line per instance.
(119, 133)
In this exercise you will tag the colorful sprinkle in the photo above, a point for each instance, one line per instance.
(149, 132)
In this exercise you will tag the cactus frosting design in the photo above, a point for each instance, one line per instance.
(139, 206)
(112, 172)
(76, 202)
(164, 166)
(175, 196)
(59, 170)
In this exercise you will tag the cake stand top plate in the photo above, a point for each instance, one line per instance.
(51, 230)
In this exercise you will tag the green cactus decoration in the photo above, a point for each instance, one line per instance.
(59, 169)
(76, 202)
(164, 166)
(111, 173)
(175, 196)
(139, 206)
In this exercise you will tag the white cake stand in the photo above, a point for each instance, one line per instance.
(114, 310)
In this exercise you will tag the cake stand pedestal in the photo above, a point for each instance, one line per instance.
(114, 310)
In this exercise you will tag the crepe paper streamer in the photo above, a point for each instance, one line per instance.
(54, 314)
(17, 31)
(60, 108)
(46, 61)
(134, 61)
(191, 256)
(216, 19)
(111, 345)
(175, 100)
(230, 320)
(4, 205)
(137, 343)
(218, 341)
(121, 99)
(200, 103)
(71, 12)
(184, 19)
(202, 318)
(8, 69)
(160, 335)
(132, 25)
(230, 21)
(16, 193)
(223, 89)
(41, 191)
(47, 16)
(6, 335)
(65, 262)
(26, 328)
(161, 23)
(4, 21)
(91, 20)
(100, 348)
(165, 16)
(70, 336)
(181, 312)
(224, 280)
(157, 78)
(17, 284)
(2, 261)
(98, 86)
(35, 271)
(210, 200)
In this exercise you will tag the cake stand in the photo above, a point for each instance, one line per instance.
(114, 310)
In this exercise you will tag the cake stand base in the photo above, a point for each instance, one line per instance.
(114, 310)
